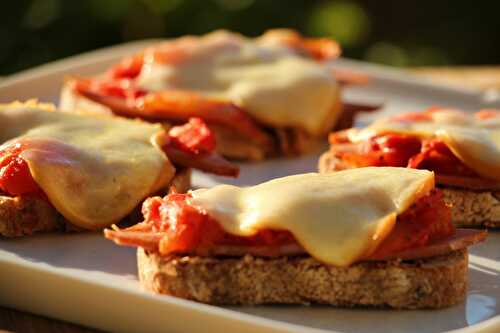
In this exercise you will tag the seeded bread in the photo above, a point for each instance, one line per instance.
(27, 214)
(473, 208)
(431, 283)
(469, 208)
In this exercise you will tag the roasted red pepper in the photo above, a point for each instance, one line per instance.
(128, 68)
(436, 156)
(399, 150)
(15, 175)
(428, 220)
(187, 227)
(193, 137)
(173, 225)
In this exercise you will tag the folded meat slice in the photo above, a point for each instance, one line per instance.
(148, 240)
(468, 183)
(174, 225)
(462, 239)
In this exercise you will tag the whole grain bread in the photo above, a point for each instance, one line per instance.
(473, 208)
(430, 283)
(27, 214)
(469, 208)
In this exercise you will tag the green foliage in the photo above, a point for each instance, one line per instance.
(345, 21)
(399, 33)
(109, 10)
(41, 13)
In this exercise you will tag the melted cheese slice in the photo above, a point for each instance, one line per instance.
(272, 83)
(337, 217)
(94, 170)
(476, 142)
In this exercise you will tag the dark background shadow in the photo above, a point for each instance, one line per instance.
(399, 33)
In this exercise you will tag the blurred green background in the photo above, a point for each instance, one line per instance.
(398, 33)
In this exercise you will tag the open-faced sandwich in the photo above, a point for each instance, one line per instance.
(463, 149)
(265, 96)
(360, 237)
(75, 171)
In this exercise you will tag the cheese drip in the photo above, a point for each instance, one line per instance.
(476, 142)
(338, 218)
(272, 83)
(94, 170)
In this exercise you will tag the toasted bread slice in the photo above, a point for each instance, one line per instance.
(473, 208)
(469, 208)
(428, 283)
(27, 214)
(230, 144)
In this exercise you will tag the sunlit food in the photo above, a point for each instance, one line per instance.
(62, 170)
(271, 95)
(463, 149)
(254, 245)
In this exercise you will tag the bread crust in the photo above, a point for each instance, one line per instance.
(431, 283)
(469, 208)
(26, 215)
(473, 208)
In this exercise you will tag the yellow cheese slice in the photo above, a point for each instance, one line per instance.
(337, 217)
(476, 142)
(272, 83)
(94, 170)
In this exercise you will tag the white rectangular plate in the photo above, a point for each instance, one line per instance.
(86, 279)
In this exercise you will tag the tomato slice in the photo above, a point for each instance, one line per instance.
(128, 68)
(188, 228)
(395, 149)
(193, 145)
(436, 156)
(487, 114)
(383, 150)
(320, 49)
(15, 175)
(400, 150)
(173, 225)
(428, 220)
(185, 226)
(193, 137)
